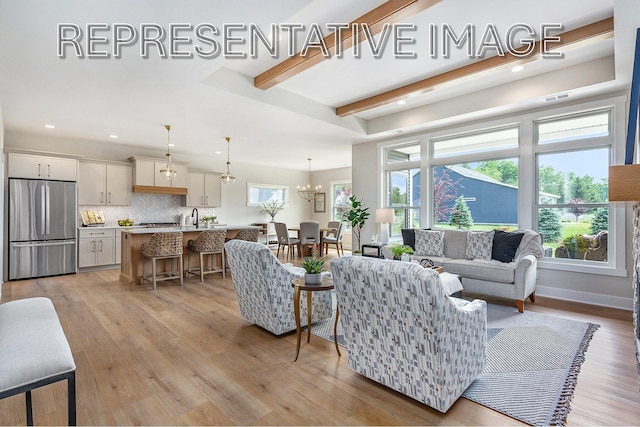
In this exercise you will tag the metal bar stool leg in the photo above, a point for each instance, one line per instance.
(27, 396)
(71, 396)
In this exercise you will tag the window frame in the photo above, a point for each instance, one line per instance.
(254, 185)
(333, 200)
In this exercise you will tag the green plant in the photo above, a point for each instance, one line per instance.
(549, 225)
(272, 208)
(313, 264)
(577, 242)
(208, 218)
(461, 215)
(357, 216)
(398, 250)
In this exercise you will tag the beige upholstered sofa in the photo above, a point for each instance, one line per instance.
(494, 263)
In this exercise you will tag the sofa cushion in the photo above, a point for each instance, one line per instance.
(430, 242)
(455, 243)
(491, 270)
(409, 237)
(505, 245)
(479, 244)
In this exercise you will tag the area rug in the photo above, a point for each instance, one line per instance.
(532, 366)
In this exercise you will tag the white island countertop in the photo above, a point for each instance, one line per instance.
(188, 228)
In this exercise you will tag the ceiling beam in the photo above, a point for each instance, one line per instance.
(390, 12)
(588, 33)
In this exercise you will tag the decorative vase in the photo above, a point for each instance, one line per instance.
(313, 278)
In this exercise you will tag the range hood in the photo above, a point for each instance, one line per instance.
(178, 191)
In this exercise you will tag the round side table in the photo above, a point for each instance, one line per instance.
(300, 285)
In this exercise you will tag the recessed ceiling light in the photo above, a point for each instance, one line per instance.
(401, 102)
(171, 145)
(113, 136)
(50, 126)
(517, 68)
(217, 152)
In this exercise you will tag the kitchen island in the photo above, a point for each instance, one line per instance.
(133, 238)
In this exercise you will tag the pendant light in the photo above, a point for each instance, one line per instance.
(228, 178)
(168, 171)
(306, 192)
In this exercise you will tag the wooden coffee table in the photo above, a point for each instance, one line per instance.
(300, 285)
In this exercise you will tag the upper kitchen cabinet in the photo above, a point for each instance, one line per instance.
(147, 178)
(42, 167)
(204, 189)
(104, 184)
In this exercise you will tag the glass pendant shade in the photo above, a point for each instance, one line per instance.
(168, 172)
(227, 178)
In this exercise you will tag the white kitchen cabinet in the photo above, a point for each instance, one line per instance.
(118, 245)
(96, 247)
(204, 189)
(104, 184)
(42, 167)
(147, 176)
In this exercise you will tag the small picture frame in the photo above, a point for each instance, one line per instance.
(319, 204)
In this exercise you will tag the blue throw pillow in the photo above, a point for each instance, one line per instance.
(505, 245)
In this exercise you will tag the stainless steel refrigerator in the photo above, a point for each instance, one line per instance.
(42, 228)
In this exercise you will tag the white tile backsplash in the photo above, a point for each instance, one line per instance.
(147, 208)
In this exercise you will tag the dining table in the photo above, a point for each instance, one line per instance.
(323, 231)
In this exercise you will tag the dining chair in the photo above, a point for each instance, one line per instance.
(309, 235)
(334, 237)
(284, 239)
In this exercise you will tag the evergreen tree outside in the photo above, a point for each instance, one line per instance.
(549, 226)
(461, 215)
(600, 221)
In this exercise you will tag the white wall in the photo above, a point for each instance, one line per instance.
(234, 209)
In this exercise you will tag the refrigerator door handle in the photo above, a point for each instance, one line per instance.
(48, 210)
(38, 244)
(43, 197)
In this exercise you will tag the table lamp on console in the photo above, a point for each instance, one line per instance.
(384, 217)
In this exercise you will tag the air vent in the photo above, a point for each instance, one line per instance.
(556, 97)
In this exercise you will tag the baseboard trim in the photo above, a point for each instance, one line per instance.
(585, 297)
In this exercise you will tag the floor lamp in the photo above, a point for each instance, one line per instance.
(384, 217)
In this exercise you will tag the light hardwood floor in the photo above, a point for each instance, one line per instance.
(184, 356)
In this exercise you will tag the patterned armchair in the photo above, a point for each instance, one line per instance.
(264, 291)
(403, 331)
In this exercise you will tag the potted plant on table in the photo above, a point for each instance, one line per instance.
(357, 216)
(272, 208)
(398, 250)
(208, 220)
(313, 267)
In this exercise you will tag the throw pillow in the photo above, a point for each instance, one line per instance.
(409, 237)
(479, 244)
(505, 245)
(430, 242)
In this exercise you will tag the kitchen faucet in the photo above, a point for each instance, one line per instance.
(197, 220)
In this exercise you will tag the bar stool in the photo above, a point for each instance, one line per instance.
(250, 235)
(162, 246)
(208, 243)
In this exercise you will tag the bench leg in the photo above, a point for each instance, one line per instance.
(27, 395)
(71, 396)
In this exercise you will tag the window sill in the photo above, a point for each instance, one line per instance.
(586, 267)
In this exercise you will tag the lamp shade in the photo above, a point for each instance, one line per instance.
(384, 216)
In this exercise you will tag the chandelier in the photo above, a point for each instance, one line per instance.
(168, 171)
(228, 178)
(306, 192)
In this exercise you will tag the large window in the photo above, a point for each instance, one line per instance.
(572, 181)
(402, 185)
(340, 205)
(487, 190)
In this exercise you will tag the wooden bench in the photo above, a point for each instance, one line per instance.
(34, 352)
